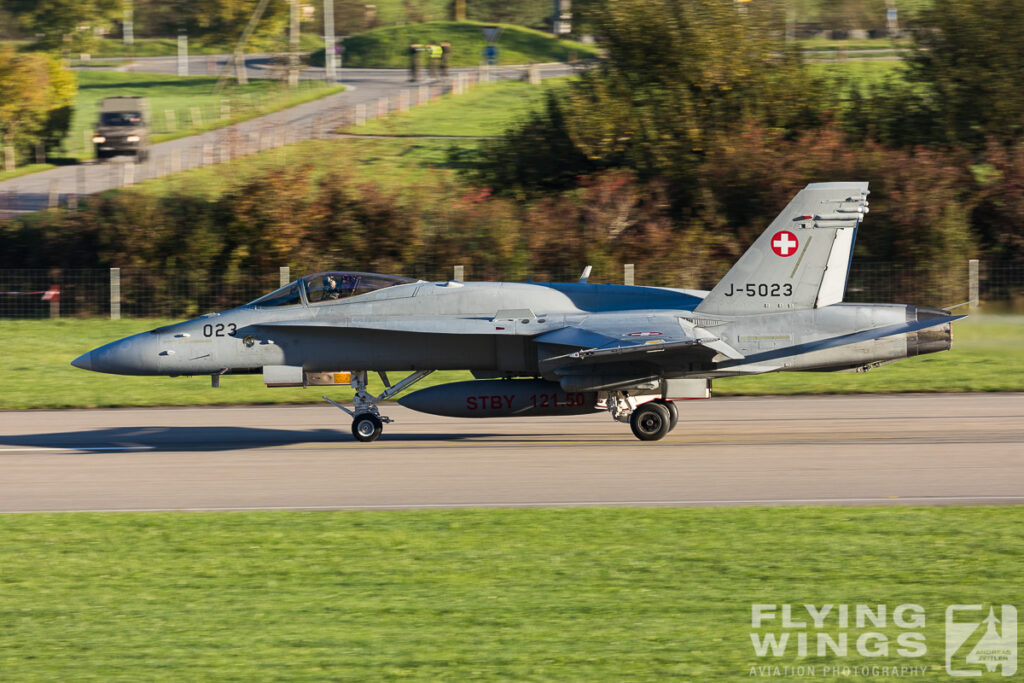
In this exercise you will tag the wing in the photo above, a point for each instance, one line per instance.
(633, 337)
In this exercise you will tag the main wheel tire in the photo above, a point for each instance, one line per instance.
(673, 412)
(367, 427)
(650, 421)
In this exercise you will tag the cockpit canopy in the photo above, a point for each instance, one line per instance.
(330, 286)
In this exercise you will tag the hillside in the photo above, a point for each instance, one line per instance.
(388, 47)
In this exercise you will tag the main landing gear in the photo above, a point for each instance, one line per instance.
(367, 422)
(649, 421)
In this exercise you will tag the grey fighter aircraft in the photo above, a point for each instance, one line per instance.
(558, 349)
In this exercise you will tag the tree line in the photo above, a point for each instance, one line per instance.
(694, 132)
(37, 98)
(703, 103)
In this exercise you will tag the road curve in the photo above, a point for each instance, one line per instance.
(368, 88)
(904, 449)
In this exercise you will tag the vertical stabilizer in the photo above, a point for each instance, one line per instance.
(802, 260)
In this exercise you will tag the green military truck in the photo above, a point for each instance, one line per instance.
(122, 128)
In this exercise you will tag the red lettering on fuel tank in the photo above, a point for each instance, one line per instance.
(508, 400)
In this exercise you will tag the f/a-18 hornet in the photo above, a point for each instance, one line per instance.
(558, 349)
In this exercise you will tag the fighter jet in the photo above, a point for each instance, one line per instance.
(557, 349)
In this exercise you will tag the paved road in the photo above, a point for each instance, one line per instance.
(908, 449)
(315, 119)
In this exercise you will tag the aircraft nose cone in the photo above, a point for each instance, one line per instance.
(135, 355)
(84, 361)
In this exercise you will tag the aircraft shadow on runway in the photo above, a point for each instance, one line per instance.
(204, 438)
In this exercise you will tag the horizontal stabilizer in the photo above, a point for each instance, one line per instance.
(843, 340)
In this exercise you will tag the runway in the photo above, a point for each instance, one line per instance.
(841, 450)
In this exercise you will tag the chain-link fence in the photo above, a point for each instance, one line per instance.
(151, 293)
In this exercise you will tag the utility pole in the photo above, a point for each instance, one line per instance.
(128, 33)
(293, 44)
(330, 59)
(182, 52)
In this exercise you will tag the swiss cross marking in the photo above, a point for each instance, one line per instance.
(784, 243)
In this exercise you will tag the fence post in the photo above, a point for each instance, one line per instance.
(53, 198)
(360, 114)
(459, 274)
(56, 275)
(115, 293)
(284, 275)
(972, 282)
(628, 271)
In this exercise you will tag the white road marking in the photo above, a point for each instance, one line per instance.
(888, 500)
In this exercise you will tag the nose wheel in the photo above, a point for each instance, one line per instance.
(367, 427)
(367, 422)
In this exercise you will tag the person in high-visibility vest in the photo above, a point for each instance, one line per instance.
(435, 58)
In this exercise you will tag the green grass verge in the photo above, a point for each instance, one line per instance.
(829, 45)
(524, 595)
(25, 170)
(859, 73)
(388, 47)
(399, 163)
(186, 96)
(487, 110)
(987, 355)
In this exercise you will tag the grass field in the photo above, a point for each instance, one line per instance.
(524, 595)
(484, 111)
(185, 96)
(405, 161)
(388, 46)
(988, 355)
(196, 107)
(860, 73)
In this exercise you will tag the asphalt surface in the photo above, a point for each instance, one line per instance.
(862, 450)
(316, 119)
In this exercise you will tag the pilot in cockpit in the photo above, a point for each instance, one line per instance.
(330, 290)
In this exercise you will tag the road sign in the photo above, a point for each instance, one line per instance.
(491, 33)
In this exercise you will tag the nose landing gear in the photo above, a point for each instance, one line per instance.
(367, 427)
(367, 422)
